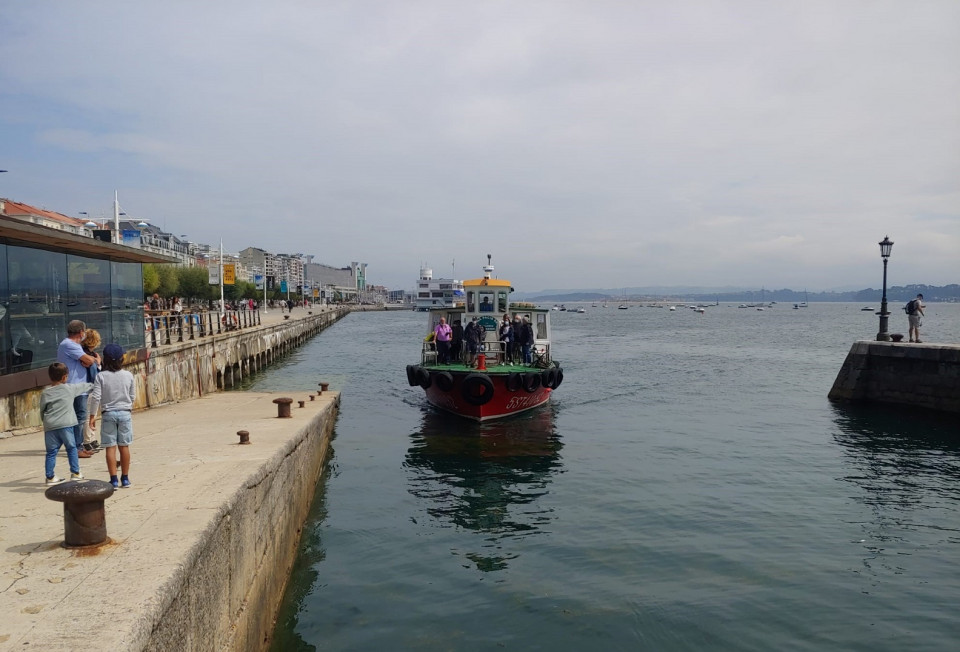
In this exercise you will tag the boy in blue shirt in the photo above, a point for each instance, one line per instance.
(59, 420)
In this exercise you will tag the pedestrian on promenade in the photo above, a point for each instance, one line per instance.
(91, 340)
(70, 353)
(60, 420)
(914, 313)
(442, 336)
(113, 394)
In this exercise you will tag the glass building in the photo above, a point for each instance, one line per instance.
(48, 278)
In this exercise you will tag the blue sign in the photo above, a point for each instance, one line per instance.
(258, 281)
(283, 285)
(131, 238)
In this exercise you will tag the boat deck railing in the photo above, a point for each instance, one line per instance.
(494, 351)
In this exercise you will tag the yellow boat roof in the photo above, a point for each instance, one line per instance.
(494, 282)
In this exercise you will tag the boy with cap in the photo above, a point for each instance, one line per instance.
(114, 393)
(59, 420)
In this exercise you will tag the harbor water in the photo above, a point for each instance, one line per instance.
(689, 487)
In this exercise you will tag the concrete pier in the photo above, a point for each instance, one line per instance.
(199, 548)
(918, 375)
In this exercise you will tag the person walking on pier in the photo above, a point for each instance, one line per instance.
(914, 313)
(442, 336)
(60, 420)
(113, 394)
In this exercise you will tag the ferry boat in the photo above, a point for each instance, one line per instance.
(496, 386)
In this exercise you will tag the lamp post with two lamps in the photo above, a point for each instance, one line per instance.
(886, 245)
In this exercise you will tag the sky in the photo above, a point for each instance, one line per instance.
(584, 144)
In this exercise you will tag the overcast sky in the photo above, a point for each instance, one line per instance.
(583, 144)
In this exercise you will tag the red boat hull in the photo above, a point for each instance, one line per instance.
(502, 403)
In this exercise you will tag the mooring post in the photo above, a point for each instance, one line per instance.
(84, 516)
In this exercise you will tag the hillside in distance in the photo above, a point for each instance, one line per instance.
(933, 293)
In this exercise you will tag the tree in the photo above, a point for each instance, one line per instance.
(169, 283)
(193, 283)
(151, 278)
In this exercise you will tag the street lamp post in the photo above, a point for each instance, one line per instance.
(886, 245)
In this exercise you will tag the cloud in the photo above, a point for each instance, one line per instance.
(582, 143)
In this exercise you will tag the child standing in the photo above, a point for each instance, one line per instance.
(89, 343)
(114, 393)
(59, 420)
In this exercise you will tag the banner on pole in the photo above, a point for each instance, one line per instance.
(258, 281)
(283, 285)
(229, 274)
(213, 274)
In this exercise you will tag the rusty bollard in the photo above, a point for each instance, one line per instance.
(323, 388)
(84, 518)
(302, 403)
(312, 397)
(244, 436)
(283, 407)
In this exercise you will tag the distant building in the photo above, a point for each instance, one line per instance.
(437, 292)
(42, 217)
(337, 284)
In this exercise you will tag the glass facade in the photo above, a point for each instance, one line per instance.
(40, 291)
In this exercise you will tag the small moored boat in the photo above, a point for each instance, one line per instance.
(501, 383)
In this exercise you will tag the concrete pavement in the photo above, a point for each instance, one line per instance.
(187, 472)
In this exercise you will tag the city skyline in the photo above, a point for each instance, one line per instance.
(582, 145)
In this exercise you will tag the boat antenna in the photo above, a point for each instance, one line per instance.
(488, 268)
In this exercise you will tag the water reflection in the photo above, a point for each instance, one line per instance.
(486, 478)
(305, 574)
(906, 465)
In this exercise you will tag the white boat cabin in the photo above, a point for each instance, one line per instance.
(488, 299)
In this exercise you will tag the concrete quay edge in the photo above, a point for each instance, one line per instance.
(199, 548)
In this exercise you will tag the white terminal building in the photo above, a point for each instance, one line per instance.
(437, 292)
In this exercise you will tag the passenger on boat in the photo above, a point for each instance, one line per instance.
(442, 336)
(485, 305)
(526, 340)
(472, 335)
(506, 338)
(456, 343)
(516, 331)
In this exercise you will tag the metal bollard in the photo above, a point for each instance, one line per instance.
(283, 407)
(302, 403)
(244, 436)
(84, 517)
(323, 387)
(312, 397)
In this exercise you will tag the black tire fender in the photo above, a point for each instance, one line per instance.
(559, 379)
(548, 377)
(412, 374)
(469, 389)
(514, 381)
(443, 380)
(531, 382)
(423, 378)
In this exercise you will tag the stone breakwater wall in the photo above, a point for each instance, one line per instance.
(226, 593)
(185, 370)
(918, 375)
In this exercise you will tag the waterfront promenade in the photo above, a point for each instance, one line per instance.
(170, 565)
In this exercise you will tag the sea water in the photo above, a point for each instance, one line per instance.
(689, 487)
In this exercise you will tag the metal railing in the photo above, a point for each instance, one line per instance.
(163, 327)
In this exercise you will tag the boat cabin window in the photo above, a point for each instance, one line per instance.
(541, 327)
(502, 301)
(486, 301)
(471, 301)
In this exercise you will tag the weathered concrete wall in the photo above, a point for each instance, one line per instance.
(920, 375)
(182, 371)
(226, 594)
